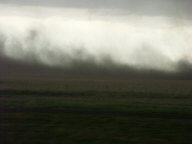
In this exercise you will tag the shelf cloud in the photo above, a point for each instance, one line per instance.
(137, 37)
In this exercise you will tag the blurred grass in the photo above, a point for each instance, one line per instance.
(96, 112)
(70, 128)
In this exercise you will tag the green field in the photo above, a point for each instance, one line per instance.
(75, 111)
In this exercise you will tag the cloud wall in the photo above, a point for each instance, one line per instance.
(60, 37)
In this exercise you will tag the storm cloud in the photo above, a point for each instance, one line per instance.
(146, 38)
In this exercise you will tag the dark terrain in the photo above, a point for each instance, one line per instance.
(95, 111)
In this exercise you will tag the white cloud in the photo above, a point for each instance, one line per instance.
(57, 36)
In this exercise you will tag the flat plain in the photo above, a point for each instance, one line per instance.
(95, 111)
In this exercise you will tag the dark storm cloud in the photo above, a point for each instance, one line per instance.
(89, 67)
(176, 8)
(15, 69)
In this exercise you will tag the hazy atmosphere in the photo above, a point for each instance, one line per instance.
(124, 36)
(95, 71)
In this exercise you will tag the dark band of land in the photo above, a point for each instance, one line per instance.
(96, 111)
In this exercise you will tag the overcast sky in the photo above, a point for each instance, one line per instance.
(141, 34)
(141, 7)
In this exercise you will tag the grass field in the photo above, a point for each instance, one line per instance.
(88, 111)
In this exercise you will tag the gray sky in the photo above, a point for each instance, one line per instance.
(143, 41)
(140, 7)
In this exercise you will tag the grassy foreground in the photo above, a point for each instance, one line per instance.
(96, 112)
